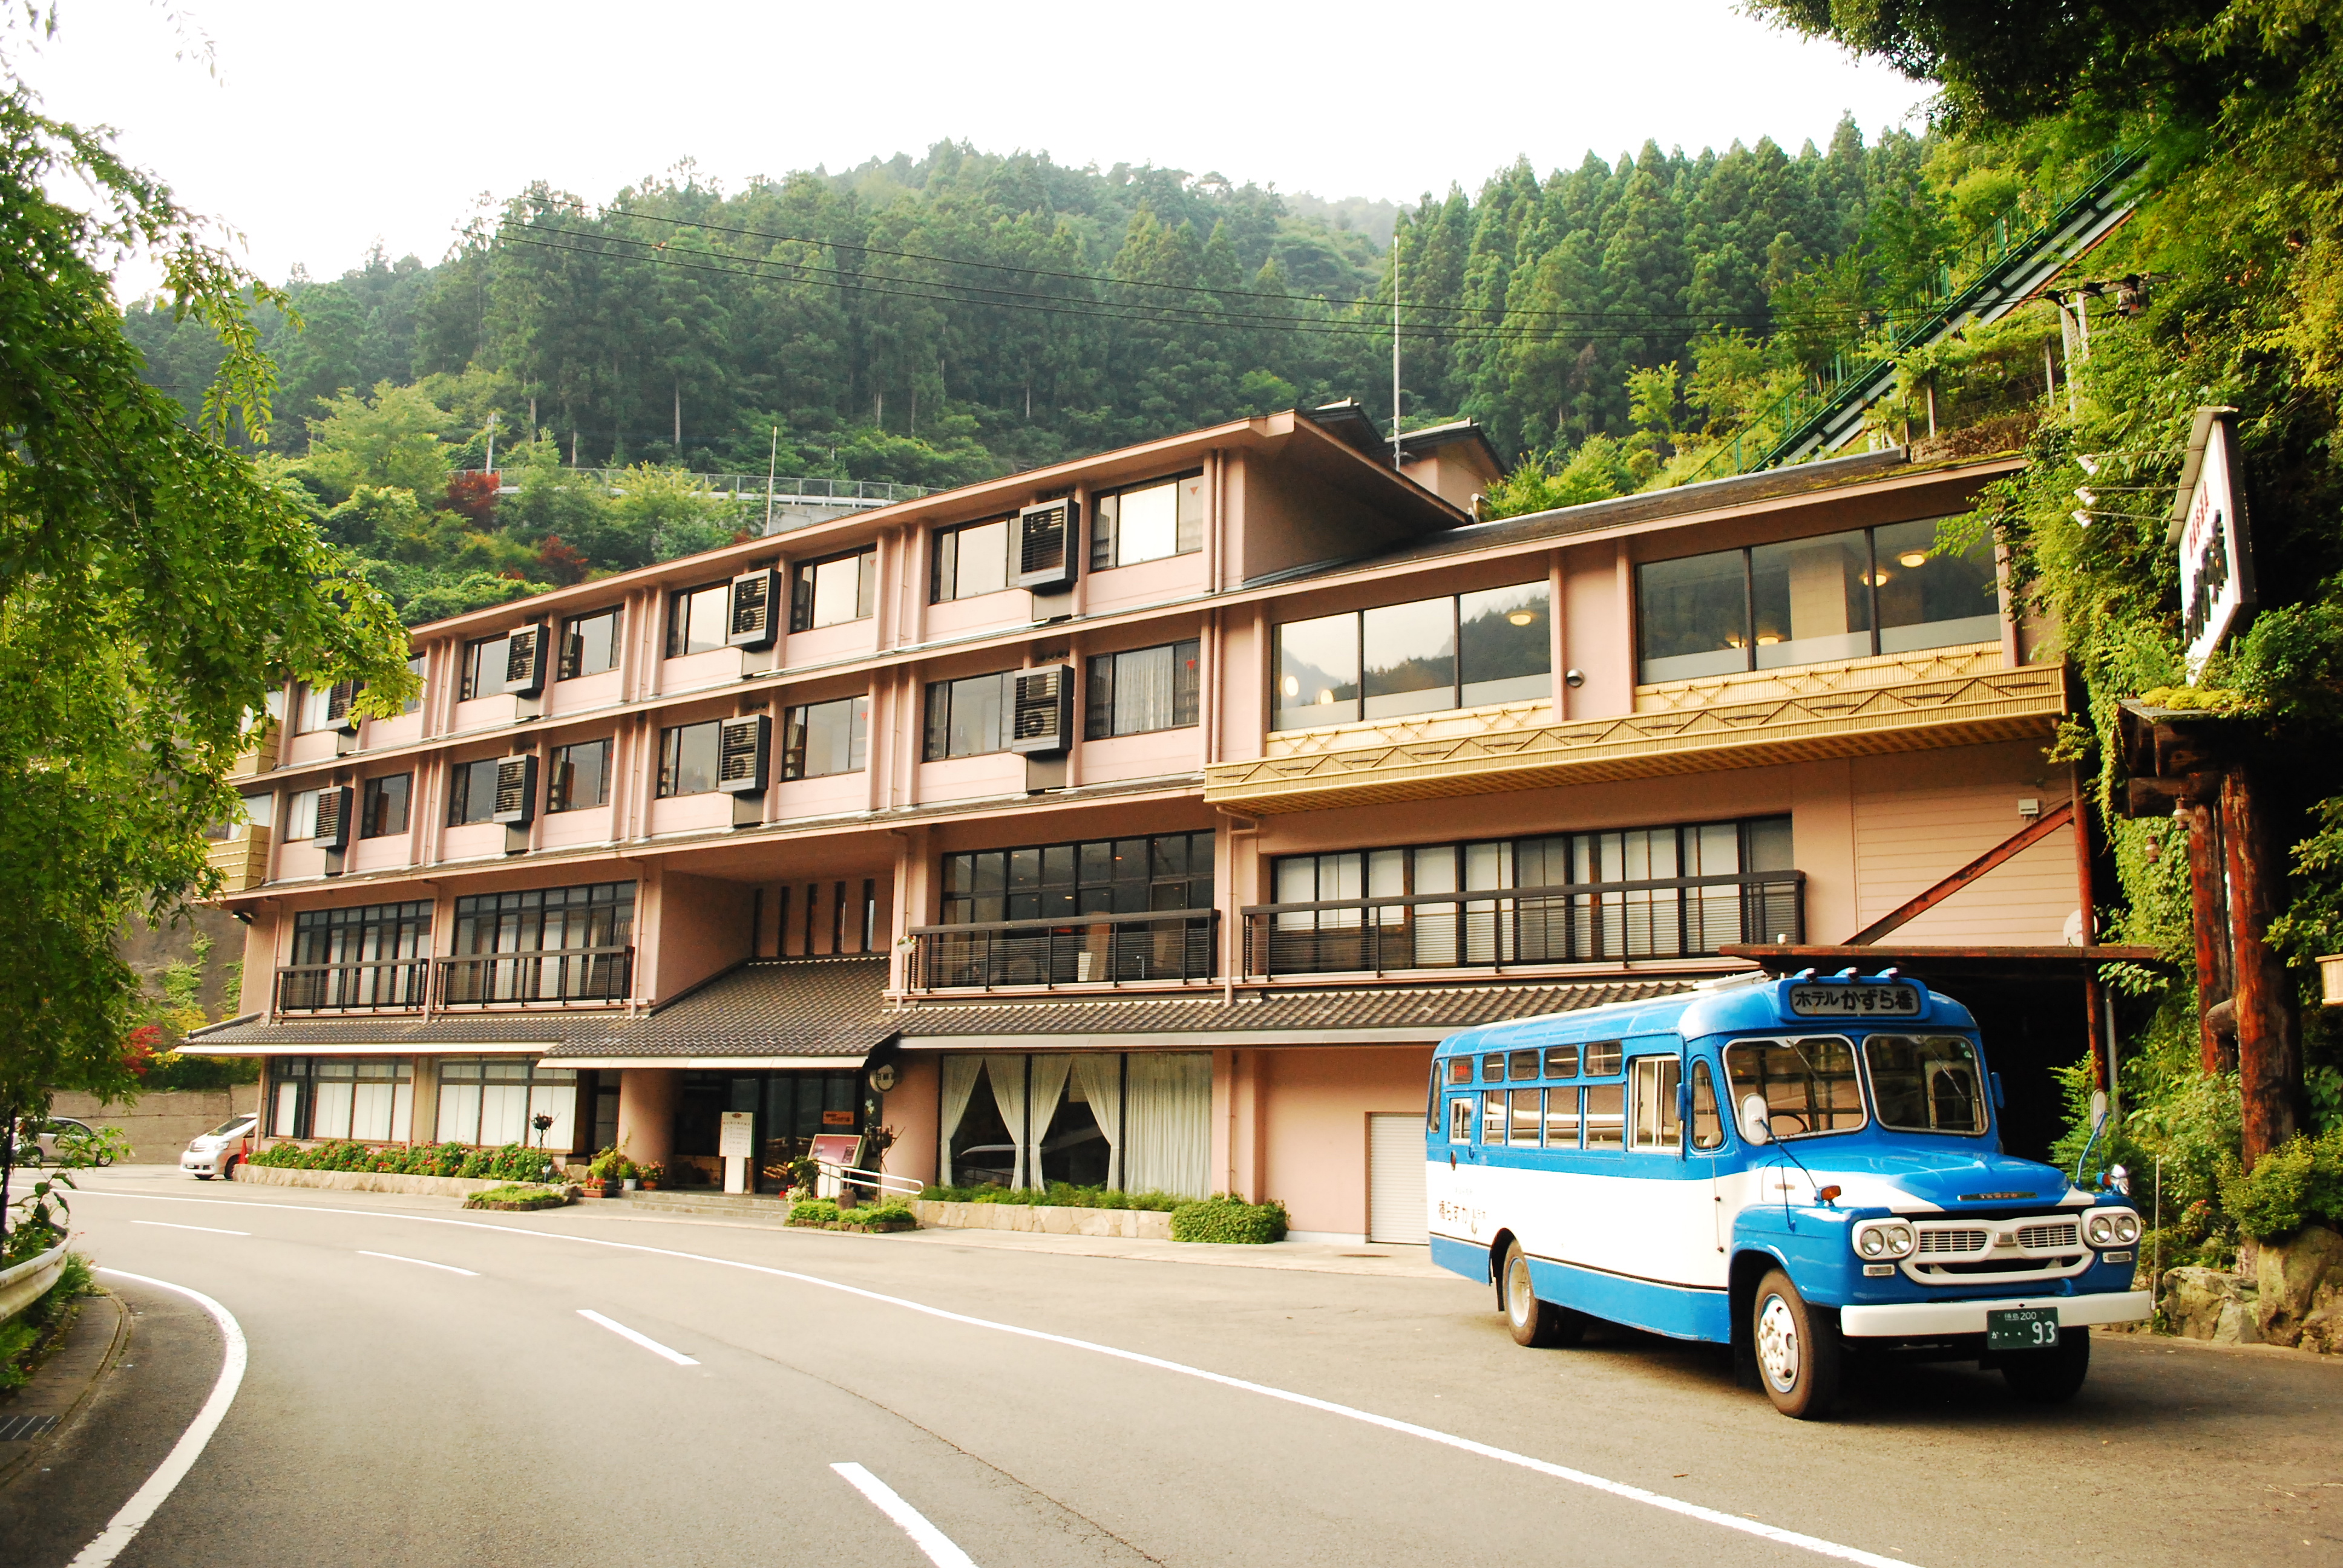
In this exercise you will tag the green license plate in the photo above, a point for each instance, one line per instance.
(2022, 1329)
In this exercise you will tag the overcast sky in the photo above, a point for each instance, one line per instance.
(329, 125)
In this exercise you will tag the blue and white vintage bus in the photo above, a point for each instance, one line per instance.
(1854, 1199)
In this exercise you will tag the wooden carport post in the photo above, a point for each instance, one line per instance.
(2269, 1049)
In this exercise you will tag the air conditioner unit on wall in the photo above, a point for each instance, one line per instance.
(1048, 539)
(744, 754)
(1043, 719)
(515, 802)
(341, 707)
(756, 601)
(525, 660)
(333, 818)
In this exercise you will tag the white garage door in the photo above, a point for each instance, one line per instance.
(1395, 1177)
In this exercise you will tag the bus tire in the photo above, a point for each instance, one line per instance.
(2050, 1377)
(1540, 1325)
(1798, 1352)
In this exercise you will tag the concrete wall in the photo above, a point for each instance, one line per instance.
(1918, 819)
(646, 1098)
(910, 1108)
(159, 1125)
(1314, 1105)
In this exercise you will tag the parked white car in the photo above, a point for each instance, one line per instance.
(216, 1152)
(39, 1143)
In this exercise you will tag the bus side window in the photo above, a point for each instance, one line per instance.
(1562, 1062)
(1493, 1116)
(1521, 1064)
(1527, 1115)
(1605, 1118)
(1654, 1078)
(1460, 1070)
(1562, 1117)
(1707, 1127)
(1492, 1068)
(1460, 1119)
(1602, 1058)
(1431, 1100)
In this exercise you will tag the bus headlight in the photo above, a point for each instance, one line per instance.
(1883, 1238)
(2112, 1228)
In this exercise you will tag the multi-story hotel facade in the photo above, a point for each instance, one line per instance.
(1142, 821)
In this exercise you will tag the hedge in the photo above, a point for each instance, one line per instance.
(513, 1162)
(518, 1195)
(822, 1214)
(1228, 1219)
(2299, 1184)
(1056, 1194)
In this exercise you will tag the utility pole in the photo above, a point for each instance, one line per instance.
(492, 440)
(772, 468)
(1396, 447)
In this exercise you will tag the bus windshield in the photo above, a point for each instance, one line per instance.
(1808, 1085)
(1925, 1083)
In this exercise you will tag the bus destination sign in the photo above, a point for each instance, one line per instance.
(1853, 998)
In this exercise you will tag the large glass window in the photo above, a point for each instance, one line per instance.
(371, 1100)
(826, 738)
(382, 810)
(492, 1103)
(970, 561)
(589, 643)
(697, 619)
(1425, 656)
(543, 944)
(1143, 690)
(1102, 875)
(1807, 1086)
(1147, 522)
(687, 758)
(1925, 1084)
(833, 592)
(970, 717)
(581, 776)
(363, 955)
(1138, 1121)
(1805, 601)
(472, 791)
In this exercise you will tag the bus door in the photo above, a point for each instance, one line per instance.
(1704, 1145)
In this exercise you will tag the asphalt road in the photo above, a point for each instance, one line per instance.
(396, 1413)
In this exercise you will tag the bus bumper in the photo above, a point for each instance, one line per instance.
(1928, 1320)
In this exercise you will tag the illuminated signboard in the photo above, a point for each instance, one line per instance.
(2210, 528)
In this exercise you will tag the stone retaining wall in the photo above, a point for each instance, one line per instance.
(159, 1125)
(368, 1181)
(1138, 1225)
(2294, 1296)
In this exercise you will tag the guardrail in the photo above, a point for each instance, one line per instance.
(749, 486)
(458, 982)
(1079, 949)
(830, 1180)
(374, 985)
(1575, 922)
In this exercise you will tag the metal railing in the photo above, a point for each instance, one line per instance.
(554, 974)
(366, 986)
(461, 980)
(1577, 922)
(1079, 949)
(784, 488)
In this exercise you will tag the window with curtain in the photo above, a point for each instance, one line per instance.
(1888, 589)
(368, 1099)
(1147, 522)
(970, 561)
(581, 776)
(1100, 876)
(1426, 656)
(1143, 690)
(490, 1101)
(589, 643)
(824, 738)
(834, 591)
(472, 791)
(968, 716)
(1137, 1120)
(382, 809)
(687, 755)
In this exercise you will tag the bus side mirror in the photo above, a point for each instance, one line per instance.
(2000, 1100)
(1756, 1124)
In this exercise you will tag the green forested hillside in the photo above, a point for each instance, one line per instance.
(966, 315)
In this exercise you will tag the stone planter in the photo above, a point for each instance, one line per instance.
(368, 1181)
(1137, 1225)
(29, 1281)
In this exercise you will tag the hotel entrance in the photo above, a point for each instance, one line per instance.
(792, 1107)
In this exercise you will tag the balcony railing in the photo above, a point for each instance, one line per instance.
(374, 985)
(1083, 950)
(462, 981)
(555, 974)
(1576, 923)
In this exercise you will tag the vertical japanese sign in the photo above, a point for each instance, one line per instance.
(2210, 529)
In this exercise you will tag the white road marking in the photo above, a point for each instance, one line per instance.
(1619, 1489)
(422, 1263)
(132, 1515)
(648, 1344)
(207, 1230)
(939, 1547)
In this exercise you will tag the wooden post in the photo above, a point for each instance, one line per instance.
(2269, 1050)
(2209, 916)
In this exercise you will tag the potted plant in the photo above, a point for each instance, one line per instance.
(650, 1176)
(603, 1172)
(629, 1175)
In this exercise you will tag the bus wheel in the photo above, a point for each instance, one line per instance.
(1540, 1325)
(2050, 1377)
(1798, 1349)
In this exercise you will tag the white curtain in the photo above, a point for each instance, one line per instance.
(959, 1087)
(1168, 1145)
(1048, 1082)
(1098, 1075)
(1008, 1075)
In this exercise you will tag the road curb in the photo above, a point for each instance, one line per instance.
(66, 1380)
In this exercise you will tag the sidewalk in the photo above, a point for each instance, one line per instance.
(1387, 1260)
(32, 1421)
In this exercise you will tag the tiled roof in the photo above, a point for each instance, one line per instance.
(1384, 1009)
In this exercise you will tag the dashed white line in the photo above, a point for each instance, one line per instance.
(123, 1527)
(941, 1549)
(648, 1344)
(206, 1229)
(422, 1263)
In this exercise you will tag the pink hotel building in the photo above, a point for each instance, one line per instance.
(1141, 821)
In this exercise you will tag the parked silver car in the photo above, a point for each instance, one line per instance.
(218, 1152)
(37, 1142)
